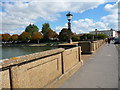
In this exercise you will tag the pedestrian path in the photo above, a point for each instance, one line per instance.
(118, 47)
(100, 71)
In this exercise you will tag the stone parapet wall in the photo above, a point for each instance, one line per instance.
(5, 79)
(29, 58)
(86, 47)
(37, 74)
(89, 47)
(38, 70)
(70, 58)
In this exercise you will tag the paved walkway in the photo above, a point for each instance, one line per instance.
(100, 71)
(118, 47)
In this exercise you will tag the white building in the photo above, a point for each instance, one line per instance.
(110, 33)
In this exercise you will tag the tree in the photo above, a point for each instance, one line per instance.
(101, 36)
(64, 35)
(45, 30)
(25, 37)
(0, 37)
(31, 29)
(14, 37)
(87, 37)
(52, 34)
(37, 36)
(6, 37)
(75, 37)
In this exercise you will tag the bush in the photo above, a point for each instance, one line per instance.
(75, 37)
(101, 36)
(48, 44)
(86, 37)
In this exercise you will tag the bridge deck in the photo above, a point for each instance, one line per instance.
(99, 71)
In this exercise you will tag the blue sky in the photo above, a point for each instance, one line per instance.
(94, 14)
(87, 16)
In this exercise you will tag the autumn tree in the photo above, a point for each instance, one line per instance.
(37, 36)
(64, 35)
(31, 29)
(52, 34)
(25, 37)
(14, 37)
(0, 37)
(6, 37)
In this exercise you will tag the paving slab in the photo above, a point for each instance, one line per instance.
(100, 70)
(118, 48)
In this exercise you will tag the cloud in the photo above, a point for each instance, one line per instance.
(85, 26)
(119, 15)
(19, 13)
(59, 1)
(106, 22)
(112, 8)
(112, 18)
(53, 1)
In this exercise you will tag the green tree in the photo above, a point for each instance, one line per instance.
(6, 37)
(101, 36)
(25, 37)
(37, 36)
(64, 35)
(31, 29)
(45, 30)
(86, 37)
(75, 37)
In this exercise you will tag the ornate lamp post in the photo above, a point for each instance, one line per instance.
(69, 17)
(95, 31)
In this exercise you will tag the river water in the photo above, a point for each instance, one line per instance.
(8, 52)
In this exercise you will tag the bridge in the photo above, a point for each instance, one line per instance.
(87, 65)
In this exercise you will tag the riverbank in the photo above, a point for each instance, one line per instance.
(31, 45)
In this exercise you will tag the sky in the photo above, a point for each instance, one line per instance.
(88, 15)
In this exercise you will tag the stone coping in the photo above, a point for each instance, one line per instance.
(94, 41)
(84, 42)
(73, 43)
(30, 57)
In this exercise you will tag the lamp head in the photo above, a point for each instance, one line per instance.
(69, 16)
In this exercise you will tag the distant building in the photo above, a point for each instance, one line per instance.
(118, 33)
(110, 33)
